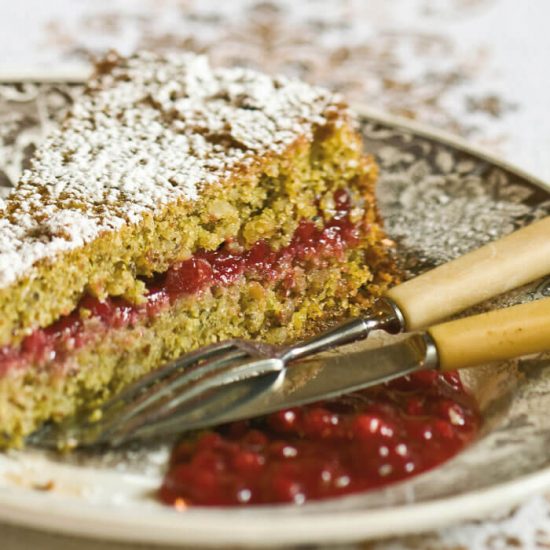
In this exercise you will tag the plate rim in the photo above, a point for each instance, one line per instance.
(346, 527)
(30, 509)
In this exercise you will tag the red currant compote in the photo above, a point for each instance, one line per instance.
(355, 443)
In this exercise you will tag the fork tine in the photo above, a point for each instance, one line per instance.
(168, 383)
(171, 414)
(221, 373)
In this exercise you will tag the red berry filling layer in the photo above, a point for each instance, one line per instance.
(355, 443)
(205, 269)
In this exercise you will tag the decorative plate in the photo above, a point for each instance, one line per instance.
(439, 198)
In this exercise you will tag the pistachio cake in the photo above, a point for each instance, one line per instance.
(178, 205)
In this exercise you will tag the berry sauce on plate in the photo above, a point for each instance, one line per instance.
(357, 442)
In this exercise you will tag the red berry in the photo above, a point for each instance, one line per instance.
(255, 439)
(226, 267)
(261, 258)
(189, 277)
(284, 421)
(369, 427)
(451, 411)
(208, 460)
(425, 377)
(287, 489)
(420, 431)
(453, 378)
(209, 440)
(320, 422)
(248, 462)
(204, 482)
(342, 199)
(444, 429)
(237, 429)
(36, 344)
(414, 406)
(283, 450)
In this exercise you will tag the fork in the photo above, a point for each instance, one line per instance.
(184, 384)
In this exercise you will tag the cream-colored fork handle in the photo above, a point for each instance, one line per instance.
(498, 335)
(497, 267)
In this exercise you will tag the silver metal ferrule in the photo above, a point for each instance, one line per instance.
(384, 315)
(388, 315)
(431, 355)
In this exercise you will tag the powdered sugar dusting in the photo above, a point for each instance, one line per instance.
(151, 130)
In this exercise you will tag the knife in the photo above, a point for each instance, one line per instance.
(469, 342)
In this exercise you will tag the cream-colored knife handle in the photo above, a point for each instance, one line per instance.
(514, 260)
(498, 335)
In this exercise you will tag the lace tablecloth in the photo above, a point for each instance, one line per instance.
(478, 68)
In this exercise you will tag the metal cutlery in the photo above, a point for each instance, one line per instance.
(469, 342)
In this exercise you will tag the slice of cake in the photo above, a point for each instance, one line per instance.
(176, 206)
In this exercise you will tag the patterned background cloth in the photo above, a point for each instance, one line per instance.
(478, 68)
